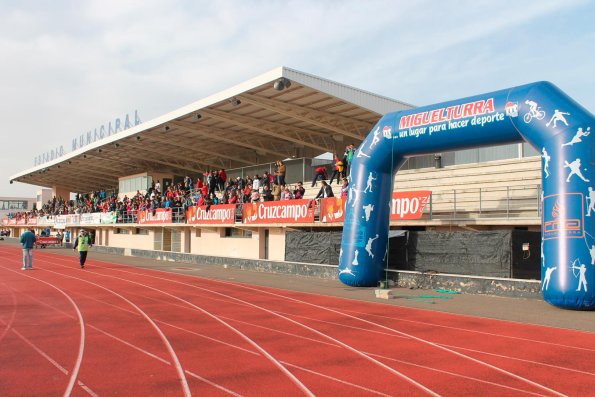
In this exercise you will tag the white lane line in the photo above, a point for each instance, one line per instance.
(177, 365)
(522, 360)
(77, 365)
(144, 351)
(47, 357)
(498, 369)
(192, 374)
(259, 348)
(410, 309)
(474, 331)
(238, 321)
(346, 346)
(281, 332)
(238, 284)
(338, 346)
(12, 314)
(456, 375)
(337, 380)
(280, 366)
(208, 337)
(41, 352)
(52, 361)
(360, 319)
(297, 336)
(421, 340)
(103, 331)
(392, 335)
(205, 380)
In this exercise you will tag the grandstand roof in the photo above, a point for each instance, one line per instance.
(257, 121)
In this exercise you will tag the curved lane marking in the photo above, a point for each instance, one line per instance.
(164, 339)
(79, 358)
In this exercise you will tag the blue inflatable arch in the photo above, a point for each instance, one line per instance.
(538, 113)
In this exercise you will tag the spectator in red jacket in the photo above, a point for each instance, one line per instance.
(319, 173)
(222, 179)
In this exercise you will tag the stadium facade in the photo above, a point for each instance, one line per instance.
(445, 205)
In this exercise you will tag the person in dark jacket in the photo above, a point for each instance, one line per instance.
(28, 240)
(325, 191)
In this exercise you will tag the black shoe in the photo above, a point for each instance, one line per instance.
(82, 266)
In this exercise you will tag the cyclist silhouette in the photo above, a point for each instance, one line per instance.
(534, 112)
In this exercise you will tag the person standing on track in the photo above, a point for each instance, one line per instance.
(28, 241)
(82, 243)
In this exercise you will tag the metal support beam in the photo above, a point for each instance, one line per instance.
(351, 128)
(273, 130)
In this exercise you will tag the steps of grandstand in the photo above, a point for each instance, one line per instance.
(518, 175)
(507, 188)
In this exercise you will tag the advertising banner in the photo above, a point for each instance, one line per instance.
(32, 221)
(408, 205)
(159, 217)
(47, 240)
(60, 221)
(5, 221)
(286, 211)
(72, 219)
(91, 219)
(404, 206)
(45, 220)
(108, 217)
(222, 214)
(569, 223)
(332, 209)
(21, 221)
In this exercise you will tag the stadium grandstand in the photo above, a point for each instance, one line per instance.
(232, 178)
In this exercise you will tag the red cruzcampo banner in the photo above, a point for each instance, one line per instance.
(162, 215)
(47, 240)
(409, 205)
(332, 209)
(32, 221)
(286, 211)
(220, 214)
(404, 205)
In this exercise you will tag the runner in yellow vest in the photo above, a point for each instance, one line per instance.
(82, 244)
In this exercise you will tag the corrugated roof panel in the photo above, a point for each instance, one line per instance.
(368, 100)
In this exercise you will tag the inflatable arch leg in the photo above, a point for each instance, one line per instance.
(539, 113)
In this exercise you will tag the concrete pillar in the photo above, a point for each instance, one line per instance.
(61, 191)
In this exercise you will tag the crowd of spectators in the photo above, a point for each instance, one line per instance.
(213, 187)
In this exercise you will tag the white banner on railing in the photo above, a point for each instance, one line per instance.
(45, 221)
(109, 217)
(91, 219)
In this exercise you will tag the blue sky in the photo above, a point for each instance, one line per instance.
(70, 66)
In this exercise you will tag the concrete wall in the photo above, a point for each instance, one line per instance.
(403, 279)
(212, 242)
(277, 244)
(131, 240)
(206, 241)
(466, 284)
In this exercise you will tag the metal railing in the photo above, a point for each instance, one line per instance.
(178, 215)
(299, 169)
(506, 202)
(494, 203)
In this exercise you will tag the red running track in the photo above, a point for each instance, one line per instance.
(117, 330)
